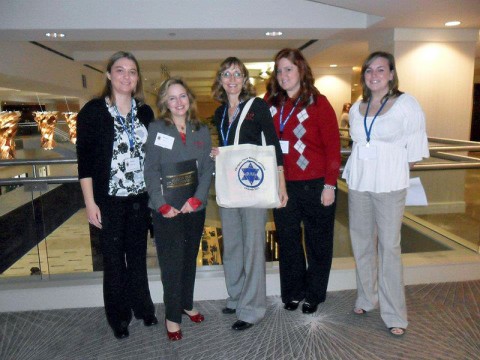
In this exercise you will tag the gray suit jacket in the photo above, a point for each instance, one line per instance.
(198, 146)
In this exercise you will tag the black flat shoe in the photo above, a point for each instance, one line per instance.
(291, 305)
(150, 320)
(121, 333)
(308, 308)
(227, 310)
(241, 325)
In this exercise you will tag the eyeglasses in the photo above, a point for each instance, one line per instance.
(228, 74)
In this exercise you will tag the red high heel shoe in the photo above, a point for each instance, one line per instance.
(197, 318)
(173, 335)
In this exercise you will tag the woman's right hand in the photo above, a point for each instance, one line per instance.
(93, 214)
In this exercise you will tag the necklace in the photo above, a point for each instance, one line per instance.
(232, 114)
(181, 129)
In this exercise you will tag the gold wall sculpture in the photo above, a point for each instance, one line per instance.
(8, 128)
(46, 121)
(71, 118)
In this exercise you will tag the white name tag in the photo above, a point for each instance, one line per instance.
(367, 152)
(132, 164)
(164, 141)
(273, 110)
(284, 146)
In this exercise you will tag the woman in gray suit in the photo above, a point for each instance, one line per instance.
(178, 172)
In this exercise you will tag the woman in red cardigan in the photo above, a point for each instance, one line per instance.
(307, 127)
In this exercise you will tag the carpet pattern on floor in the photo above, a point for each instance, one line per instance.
(444, 324)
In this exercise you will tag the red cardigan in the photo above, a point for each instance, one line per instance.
(321, 139)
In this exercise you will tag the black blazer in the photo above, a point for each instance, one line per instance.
(95, 133)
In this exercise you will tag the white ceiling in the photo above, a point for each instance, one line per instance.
(191, 37)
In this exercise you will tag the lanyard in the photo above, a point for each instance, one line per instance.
(283, 122)
(123, 121)
(222, 132)
(369, 130)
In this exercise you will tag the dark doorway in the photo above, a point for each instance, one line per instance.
(475, 129)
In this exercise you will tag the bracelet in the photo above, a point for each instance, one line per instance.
(331, 187)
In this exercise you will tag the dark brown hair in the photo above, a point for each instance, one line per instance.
(162, 99)
(392, 84)
(108, 91)
(218, 92)
(307, 88)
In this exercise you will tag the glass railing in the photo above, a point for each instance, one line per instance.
(44, 230)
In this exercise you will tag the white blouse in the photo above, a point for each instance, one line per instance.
(398, 137)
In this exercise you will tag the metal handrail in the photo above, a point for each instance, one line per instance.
(457, 145)
(18, 162)
(39, 180)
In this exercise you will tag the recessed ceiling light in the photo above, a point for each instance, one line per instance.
(452, 23)
(274, 33)
(55, 35)
(333, 65)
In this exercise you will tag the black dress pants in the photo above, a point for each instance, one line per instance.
(178, 241)
(298, 281)
(124, 247)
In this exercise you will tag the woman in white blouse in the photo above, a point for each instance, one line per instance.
(388, 131)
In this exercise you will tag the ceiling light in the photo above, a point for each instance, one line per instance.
(452, 23)
(55, 35)
(274, 33)
(333, 65)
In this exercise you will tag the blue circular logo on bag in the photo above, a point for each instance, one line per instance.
(250, 174)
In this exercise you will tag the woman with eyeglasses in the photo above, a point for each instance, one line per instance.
(178, 141)
(111, 136)
(388, 132)
(307, 127)
(244, 228)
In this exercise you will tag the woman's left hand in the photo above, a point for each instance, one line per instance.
(282, 194)
(214, 152)
(328, 197)
(186, 208)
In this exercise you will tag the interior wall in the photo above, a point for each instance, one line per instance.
(336, 87)
(440, 76)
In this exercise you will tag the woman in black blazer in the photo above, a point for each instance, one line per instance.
(111, 135)
(178, 141)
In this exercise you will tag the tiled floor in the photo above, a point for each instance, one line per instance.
(444, 325)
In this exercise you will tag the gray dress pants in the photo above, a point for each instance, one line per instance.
(243, 232)
(375, 222)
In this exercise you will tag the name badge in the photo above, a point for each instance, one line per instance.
(273, 110)
(164, 141)
(284, 146)
(367, 152)
(132, 164)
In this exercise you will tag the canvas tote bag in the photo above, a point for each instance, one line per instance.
(246, 174)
